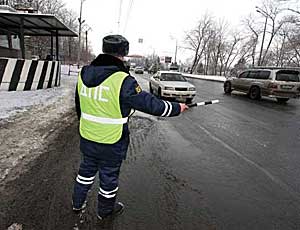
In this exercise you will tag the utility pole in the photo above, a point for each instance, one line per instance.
(176, 52)
(86, 29)
(86, 41)
(262, 12)
(176, 47)
(79, 33)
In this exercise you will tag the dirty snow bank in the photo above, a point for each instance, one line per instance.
(28, 120)
(206, 77)
(14, 102)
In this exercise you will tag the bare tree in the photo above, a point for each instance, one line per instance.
(198, 38)
(217, 49)
(50, 6)
(218, 41)
(231, 52)
(271, 11)
(290, 5)
(252, 34)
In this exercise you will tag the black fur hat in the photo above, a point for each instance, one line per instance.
(115, 45)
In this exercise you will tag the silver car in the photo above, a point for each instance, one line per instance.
(279, 83)
(172, 85)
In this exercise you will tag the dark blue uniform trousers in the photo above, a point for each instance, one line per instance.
(108, 175)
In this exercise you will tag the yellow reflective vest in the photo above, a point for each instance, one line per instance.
(101, 118)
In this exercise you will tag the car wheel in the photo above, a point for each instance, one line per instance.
(227, 87)
(282, 100)
(150, 88)
(189, 100)
(254, 93)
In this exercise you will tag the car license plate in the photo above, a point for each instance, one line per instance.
(287, 86)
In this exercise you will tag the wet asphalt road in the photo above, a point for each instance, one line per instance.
(241, 156)
(232, 165)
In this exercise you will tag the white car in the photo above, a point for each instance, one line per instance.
(139, 70)
(172, 85)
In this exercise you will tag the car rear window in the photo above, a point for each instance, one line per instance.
(287, 75)
(171, 77)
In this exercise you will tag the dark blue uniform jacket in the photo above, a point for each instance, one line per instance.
(131, 97)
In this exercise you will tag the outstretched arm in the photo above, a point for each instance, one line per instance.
(133, 97)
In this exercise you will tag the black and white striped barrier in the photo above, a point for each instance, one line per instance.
(20, 74)
(203, 103)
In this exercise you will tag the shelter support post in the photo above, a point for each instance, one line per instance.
(22, 43)
(51, 51)
(57, 45)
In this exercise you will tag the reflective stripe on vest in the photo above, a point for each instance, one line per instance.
(101, 118)
(104, 120)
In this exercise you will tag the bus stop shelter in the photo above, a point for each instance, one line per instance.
(28, 24)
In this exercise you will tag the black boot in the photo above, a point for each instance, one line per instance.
(118, 209)
(80, 209)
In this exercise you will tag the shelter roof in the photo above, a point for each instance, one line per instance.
(34, 24)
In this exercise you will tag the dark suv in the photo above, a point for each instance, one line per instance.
(279, 83)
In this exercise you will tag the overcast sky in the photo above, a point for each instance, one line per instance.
(158, 22)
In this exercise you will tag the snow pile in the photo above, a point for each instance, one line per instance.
(206, 77)
(15, 227)
(70, 70)
(13, 102)
(18, 101)
(24, 137)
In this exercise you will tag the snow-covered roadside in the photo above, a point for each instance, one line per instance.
(29, 120)
(14, 102)
(206, 77)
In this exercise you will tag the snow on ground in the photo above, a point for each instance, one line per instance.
(14, 102)
(206, 77)
(28, 122)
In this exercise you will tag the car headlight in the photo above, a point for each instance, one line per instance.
(169, 88)
(192, 89)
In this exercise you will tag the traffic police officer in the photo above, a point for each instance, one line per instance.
(105, 96)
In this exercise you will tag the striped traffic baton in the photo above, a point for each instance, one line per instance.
(203, 103)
